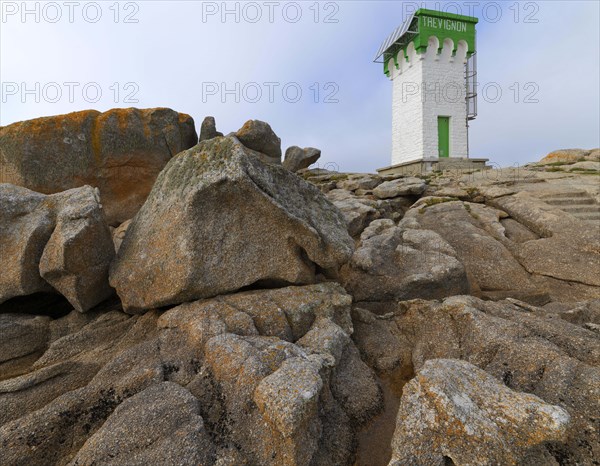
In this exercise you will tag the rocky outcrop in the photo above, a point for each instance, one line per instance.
(159, 425)
(515, 246)
(297, 158)
(403, 262)
(554, 253)
(565, 156)
(209, 356)
(190, 385)
(92, 363)
(258, 136)
(454, 411)
(58, 242)
(217, 220)
(530, 349)
(353, 194)
(120, 152)
(208, 130)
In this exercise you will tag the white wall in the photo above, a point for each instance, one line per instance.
(407, 108)
(427, 86)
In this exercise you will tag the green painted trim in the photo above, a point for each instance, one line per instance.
(431, 23)
(441, 27)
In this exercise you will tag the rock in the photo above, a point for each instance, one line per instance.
(340, 195)
(77, 255)
(516, 246)
(366, 183)
(594, 155)
(297, 158)
(208, 130)
(472, 231)
(217, 220)
(47, 414)
(159, 425)
(356, 387)
(534, 352)
(258, 136)
(57, 242)
(357, 212)
(392, 263)
(120, 151)
(454, 411)
(293, 394)
(555, 253)
(400, 187)
(564, 156)
(585, 166)
(26, 223)
(118, 235)
(579, 314)
(380, 344)
(288, 400)
(492, 192)
(24, 339)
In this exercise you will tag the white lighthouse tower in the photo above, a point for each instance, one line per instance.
(430, 60)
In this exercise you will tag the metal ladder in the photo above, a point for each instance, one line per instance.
(471, 91)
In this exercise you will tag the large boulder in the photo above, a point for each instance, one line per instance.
(26, 223)
(282, 374)
(454, 411)
(120, 151)
(297, 158)
(77, 255)
(260, 137)
(403, 262)
(58, 242)
(472, 230)
(219, 219)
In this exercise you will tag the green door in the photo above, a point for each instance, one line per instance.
(443, 136)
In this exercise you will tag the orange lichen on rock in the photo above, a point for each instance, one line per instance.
(120, 151)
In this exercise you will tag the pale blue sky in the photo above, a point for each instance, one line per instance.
(174, 55)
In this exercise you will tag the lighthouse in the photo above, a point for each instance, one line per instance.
(431, 60)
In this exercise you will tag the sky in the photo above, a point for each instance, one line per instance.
(305, 67)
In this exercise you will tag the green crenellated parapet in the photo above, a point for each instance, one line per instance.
(432, 23)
